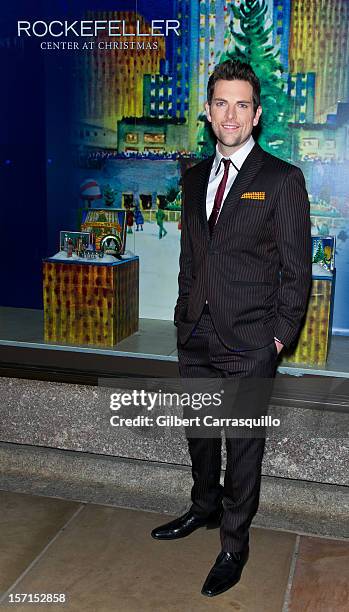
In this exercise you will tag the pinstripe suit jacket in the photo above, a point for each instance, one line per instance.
(255, 270)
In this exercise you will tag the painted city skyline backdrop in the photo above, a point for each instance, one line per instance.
(129, 121)
(139, 112)
(170, 81)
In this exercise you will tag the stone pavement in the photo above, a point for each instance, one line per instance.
(103, 559)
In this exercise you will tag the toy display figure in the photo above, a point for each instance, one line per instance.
(92, 245)
(109, 195)
(69, 248)
(78, 244)
(99, 226)
(323, 253)
(111, 245)
(160, 217)
(104, 222)
(79, 240)
(129, 220)
(139, 219)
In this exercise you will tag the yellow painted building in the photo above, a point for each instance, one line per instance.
(109, 82)
(319, 42)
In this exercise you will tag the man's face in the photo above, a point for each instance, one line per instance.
(231, 114)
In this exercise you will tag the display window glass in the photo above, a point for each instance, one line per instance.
(102, 112)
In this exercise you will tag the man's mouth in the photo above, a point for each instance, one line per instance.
(230, 126)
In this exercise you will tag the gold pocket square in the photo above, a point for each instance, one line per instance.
(253, 195)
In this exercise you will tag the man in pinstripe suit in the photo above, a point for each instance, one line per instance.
(245, 274)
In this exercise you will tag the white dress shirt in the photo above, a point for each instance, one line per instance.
(238, 159)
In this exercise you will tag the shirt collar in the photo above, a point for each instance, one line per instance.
(238, 157)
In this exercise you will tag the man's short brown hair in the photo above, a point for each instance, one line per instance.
(232, 70)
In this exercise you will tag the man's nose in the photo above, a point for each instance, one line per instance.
(231, 112)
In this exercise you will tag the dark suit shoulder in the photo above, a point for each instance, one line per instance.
(276, 164)
(196, 170)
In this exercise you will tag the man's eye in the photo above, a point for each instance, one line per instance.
(219, 103)
(243, 105)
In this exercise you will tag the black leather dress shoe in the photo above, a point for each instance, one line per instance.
(186, 524)
(225, 573)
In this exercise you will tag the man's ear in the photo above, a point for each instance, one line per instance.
(207, 109)
(257, 115)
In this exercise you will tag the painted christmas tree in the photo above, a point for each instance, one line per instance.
(109, 195)
(249, 42)
(251, 45)
(319, 256)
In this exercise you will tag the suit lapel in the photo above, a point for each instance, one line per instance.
(251, 166)
(249, 169)
(203, 178)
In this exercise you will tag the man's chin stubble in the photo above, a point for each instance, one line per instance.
(237, 143)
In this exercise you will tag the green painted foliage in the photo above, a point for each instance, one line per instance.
(252, 45)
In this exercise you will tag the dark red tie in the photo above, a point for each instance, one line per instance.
(219, 195)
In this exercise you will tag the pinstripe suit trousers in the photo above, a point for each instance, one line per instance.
(204, 355)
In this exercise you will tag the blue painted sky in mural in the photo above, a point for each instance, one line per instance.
(146, 7)
(28, 9)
